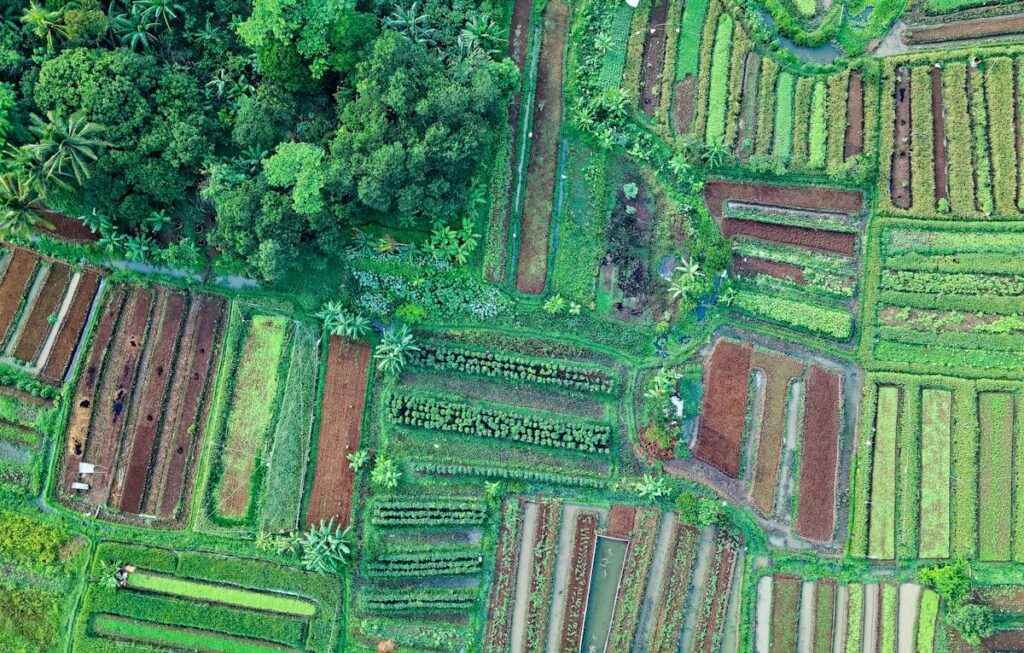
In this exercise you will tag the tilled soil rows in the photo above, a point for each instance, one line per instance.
(819, 239)
(965, 29)
(15, 285)
(748, 266)
(147, 407)
(682, 103)
(899, 176)
(114, 395)
(69, 333)
(340, 423)
(710, 629)
(88, 382)
(620, 521)
(181, 434)
(812, 198)
(579, 580)
(672, 611)
(779, 371)
(654, 59)
(816, 516)
(535, 228)
(723, 418)
(506, 563)
(37, 325)
(853, 143)
(939, 137)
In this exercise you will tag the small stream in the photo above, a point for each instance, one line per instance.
(609, 558)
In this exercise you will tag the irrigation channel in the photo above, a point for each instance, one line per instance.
(609, 558)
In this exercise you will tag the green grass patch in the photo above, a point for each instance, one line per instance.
(979, 125)
(936, 407)
(782, 148)
(818, 129)
(719, 88)
(995, 528)
(882, 531)
(926, 621)
(922, 162)
(236, 596)
(959, 157)
(889, 628)
(178, 638)
(688, 52)
(965, 473)
(999, 93)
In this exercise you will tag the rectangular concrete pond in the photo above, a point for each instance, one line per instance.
(609, 557)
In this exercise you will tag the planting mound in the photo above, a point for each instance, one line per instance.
(718, 192)
(14, 286)
(816, 514)
(69, 333)
(854, 141)
(724, 413)
(654, 58)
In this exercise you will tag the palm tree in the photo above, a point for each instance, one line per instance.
(166, 10)
(19, 207)
(688, 270)
(135, 29)
(716, 154)
(679, 165)
(44, 23)
(479, 32)
(394, 349)
(414, 25)
(341, 322)
(65, 147)
(326, 547)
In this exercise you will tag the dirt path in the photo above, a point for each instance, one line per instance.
(763, 620)
(731, 637)
(785, 491)
(899, 176)
(871, 603)
(521, 606)
(805, 639)
(939, 137)
(841, 621)
(562, 564)
(655, 581)
(910, 599)
(654, 59)
(701, 570)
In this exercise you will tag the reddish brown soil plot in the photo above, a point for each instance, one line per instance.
(114, 395)
(747, 266)
(812, 198)
(534, 231)
(671, 610)
(15, 285)
(344, 396)
(682, 103)
(709, 631)
(579, 580)
(69, 333)
(654, 59)
(939, 137)
(819, 239)
(518, 35)
(506, 563)
(816, 515)
(722, 420)
(854, 140)
(966, 29)
(748, 106)
(620, 521)
(148, 405)
(899, 176)
(88, 382)
(1007, 640)
(47, 303)
(67, 228)
(181, 434)
(779, 372)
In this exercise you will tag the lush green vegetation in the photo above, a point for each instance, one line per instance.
(147, 582)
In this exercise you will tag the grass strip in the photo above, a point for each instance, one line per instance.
(882, 543)
(926, 621)
(782, 148)
(178, 638)
(999, 93)
(958, 138)
(242, 598)
(965, 472)
(995, 527)
(936, 414)
(818, 130)
(922, 166)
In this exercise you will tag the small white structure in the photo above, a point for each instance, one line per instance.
(79, 486)
(86, 468)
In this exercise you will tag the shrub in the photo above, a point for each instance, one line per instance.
(24, 540)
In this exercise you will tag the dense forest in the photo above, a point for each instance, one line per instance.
(263, 131)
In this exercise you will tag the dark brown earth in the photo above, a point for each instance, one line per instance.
(779, 371)
(722, 421)
(854, 141)
(70, 331)
(718, 192)
(535, 227)
(654, 59)
(67, 228)
(620, 521)
(939, 137)
(682, 104)
(826, 241)
(15, 285)
(340, 427)
(816, 516)
(966, 29)
(748, 266)
(37, 325)
(899, 176)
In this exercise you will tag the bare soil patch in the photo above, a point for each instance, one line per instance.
(67, 228)
(88, 381)
(518, 36)
(182, 430)
(939, 137)
(779, 372)
(147, 408)
(1007, 640)
(965, 29)
(812, 198)
(748, 106)
(819, 239)
(654, 58)
(620, 521)
(69, 332)
(854, 141)
(682, 103)
(816, 517)
(532, 263)
(723, 418)
(899, 176)
(15, 285)
(580, 567)
(340, 427)
(115, 392)
(748, 266)
(37, 325)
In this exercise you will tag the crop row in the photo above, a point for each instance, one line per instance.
(505, 473)
(542, 575)
(514, 367)
(431, 511)
(640, 556)
(818, 320)
(394, 600)
(417, 563)
(438, 414)
(177, 638)
(952, 241)
(502, 597)
(952, 283)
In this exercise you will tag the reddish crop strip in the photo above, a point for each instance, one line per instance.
(581, 563)
(340, 423)
(854, 140)
(939, 137)
(716, 598)
(37, 326)
(779, 371)
(620, 521)
(748, 266)
(718, 192)
(69, 333)
(725, 406)
(654, 58)
(671, 612)
(15, 285)
(816, 515)
(899, 181)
